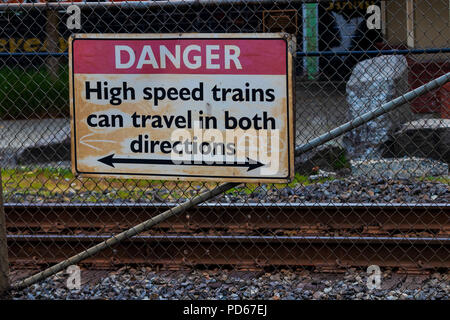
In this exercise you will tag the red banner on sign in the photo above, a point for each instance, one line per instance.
(180, 56)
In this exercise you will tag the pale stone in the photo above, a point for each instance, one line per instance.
(374, 82)
(404, 168)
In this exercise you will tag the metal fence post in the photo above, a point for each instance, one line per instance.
(52, 42)
(4, 266)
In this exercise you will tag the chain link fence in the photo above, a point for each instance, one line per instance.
(375, 196)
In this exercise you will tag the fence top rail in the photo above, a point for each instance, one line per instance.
(298, 53)
(137, 4)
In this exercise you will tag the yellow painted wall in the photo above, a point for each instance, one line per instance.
(396, 22)
(431, 23)
(432, 27)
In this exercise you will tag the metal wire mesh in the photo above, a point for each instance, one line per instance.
(378, 195)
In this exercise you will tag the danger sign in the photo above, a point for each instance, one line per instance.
(182, 106)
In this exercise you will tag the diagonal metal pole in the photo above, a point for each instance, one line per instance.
(125, 235)
(226, 186)
(368, 116)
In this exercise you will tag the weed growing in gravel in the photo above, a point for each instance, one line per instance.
(297, 181)
(26, 184)
(443, 179)
(59, 184)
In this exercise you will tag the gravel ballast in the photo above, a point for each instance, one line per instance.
(342, 190)
(143, 283)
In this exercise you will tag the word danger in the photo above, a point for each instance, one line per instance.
(191, 56)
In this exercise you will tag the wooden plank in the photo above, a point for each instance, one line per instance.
(410, 23)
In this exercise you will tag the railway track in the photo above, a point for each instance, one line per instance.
(247, 236)
(365, 218)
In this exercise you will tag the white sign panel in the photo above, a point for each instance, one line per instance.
(182, 107)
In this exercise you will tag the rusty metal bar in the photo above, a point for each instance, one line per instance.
(4, 265)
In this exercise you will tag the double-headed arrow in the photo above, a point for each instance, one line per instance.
(110, 161)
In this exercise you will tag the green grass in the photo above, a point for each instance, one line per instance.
(52, 183)
(298, 180)
(341, 162)
(443, 180)
(32, 93)
(56, 184)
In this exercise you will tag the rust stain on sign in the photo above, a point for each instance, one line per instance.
(183, 106)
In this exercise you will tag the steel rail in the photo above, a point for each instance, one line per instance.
(255, 252)
(369, 217)
(306, 204)
(227, 238)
